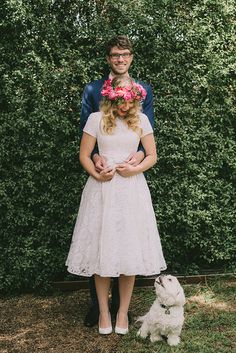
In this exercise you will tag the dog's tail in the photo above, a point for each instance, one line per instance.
(141, 318)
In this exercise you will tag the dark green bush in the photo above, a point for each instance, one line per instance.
(50, 50)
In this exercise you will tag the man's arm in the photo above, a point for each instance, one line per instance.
(87, 108)
(148, 110)
(148, 105)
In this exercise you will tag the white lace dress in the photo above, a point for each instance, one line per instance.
(116, 232)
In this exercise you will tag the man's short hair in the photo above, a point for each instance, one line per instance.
(122, 42)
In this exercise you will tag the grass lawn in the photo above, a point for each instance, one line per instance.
(32, 324)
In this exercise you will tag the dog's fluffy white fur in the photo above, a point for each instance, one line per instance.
(166, 315)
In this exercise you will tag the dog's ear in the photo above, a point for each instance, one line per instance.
(180, 298)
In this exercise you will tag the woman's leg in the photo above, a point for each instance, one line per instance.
(126, 285)
(102, 288)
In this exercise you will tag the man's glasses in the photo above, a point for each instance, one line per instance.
(116, 56)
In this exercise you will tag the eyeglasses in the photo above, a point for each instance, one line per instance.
(116, 56)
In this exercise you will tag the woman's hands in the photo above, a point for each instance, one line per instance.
(106, 174)
(100, 162)
(126, 170)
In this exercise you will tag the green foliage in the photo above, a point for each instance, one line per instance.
(51, 49)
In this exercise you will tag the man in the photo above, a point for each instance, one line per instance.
(119, 56)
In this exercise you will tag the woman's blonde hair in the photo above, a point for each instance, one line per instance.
(109, 109)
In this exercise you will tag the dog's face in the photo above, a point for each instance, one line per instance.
(169, 290)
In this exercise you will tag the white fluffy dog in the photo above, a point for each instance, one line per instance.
(166, 315)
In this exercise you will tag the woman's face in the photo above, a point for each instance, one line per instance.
(124, 107)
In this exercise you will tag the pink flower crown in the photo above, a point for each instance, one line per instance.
(130, 92)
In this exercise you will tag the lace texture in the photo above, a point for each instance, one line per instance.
(115, 231)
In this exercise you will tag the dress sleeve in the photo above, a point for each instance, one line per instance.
(91, 126)
(145, 125)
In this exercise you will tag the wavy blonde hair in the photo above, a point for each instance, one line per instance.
(109, 111)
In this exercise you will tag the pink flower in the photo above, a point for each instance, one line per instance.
(120, 91)
(128, 88)
(112, 95)
(128, 96)
(134, 91)
(141, 91)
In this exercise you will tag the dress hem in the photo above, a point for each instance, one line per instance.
(117, 274)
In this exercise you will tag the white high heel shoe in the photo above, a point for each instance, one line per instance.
(105, 330)
(121, 330)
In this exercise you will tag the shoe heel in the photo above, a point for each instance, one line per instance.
(121, 331)
(106, 330)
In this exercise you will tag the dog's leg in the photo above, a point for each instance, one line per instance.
(173, 340)
(143, 331)
(155, 337)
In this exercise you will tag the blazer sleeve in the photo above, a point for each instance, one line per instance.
(148, 105)
(87, 106)
(90, 104)
(148, 110)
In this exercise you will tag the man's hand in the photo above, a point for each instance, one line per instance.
(126, 170)
(99, 162)
(135, 158)
(106, 174)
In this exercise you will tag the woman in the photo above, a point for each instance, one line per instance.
(115, 233)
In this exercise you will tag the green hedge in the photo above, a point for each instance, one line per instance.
(51, 49)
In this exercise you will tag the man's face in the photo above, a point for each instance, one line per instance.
(119, 60)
